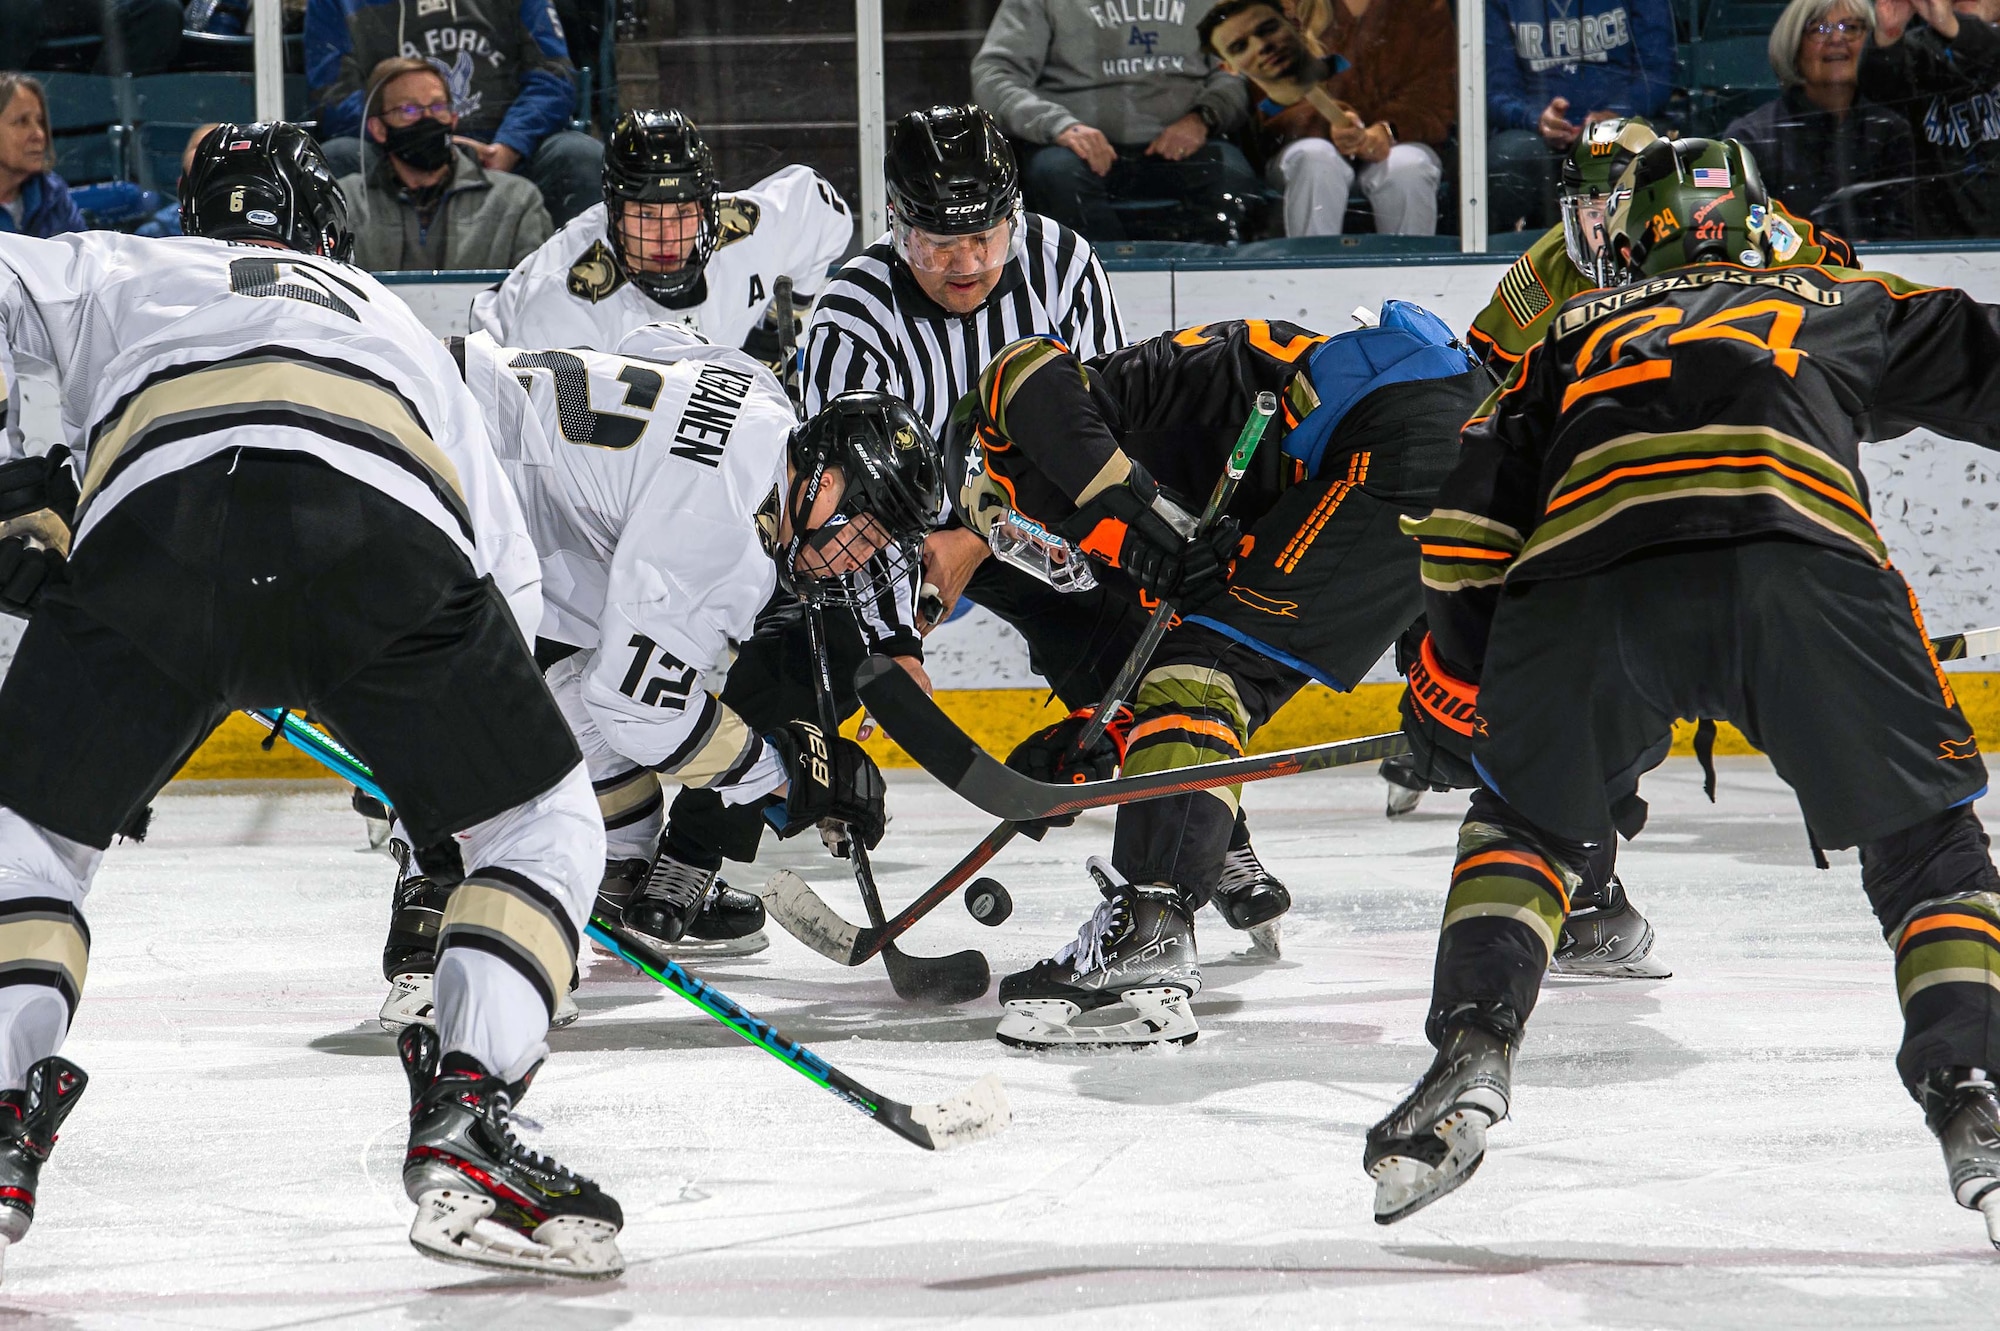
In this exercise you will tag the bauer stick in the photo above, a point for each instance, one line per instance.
(958, 978)
(788, 345)
(980, 1110)
(807, 917)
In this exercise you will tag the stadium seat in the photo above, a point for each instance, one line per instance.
(1367, 243)
(90, 115)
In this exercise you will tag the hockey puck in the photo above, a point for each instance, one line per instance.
(988, 902)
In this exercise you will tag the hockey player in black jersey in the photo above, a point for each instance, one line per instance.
(1306, 578)
(285, 499)
(1662, 515)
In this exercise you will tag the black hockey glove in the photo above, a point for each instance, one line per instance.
(1050, 755)
(28, 485)
(1138, 525)
(831, 778)
(26, 571)
(1440, 712)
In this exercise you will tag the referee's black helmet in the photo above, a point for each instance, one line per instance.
(265, 182)
(950, 171)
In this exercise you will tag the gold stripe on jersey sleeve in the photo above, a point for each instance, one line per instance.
(721, 751)
(315, 390)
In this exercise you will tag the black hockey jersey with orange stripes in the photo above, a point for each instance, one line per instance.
(1712, 403)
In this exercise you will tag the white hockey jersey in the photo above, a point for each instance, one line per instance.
(171, 351)
(570, 292)
(641, 478)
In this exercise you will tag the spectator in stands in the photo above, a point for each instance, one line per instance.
(1835, 157)
(1942, 74)
(425, 202)
(1118, 110)
(1551, 70)
(34, 201)
(511, 83)
(139, 36)
(1369, 112)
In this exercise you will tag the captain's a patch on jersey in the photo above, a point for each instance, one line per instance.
(736, 218)
(595, 274)
(1522, 292)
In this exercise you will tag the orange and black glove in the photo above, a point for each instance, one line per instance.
(1440, 713)
(1050, 755)
(1136, 526)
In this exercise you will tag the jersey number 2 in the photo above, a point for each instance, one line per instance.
(574, 417)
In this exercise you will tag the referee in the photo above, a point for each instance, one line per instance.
(963, 272)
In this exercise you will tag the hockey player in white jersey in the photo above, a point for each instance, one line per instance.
(287, 500)
(668, 490)
(667, 246)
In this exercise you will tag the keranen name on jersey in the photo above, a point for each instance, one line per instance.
(710, 413)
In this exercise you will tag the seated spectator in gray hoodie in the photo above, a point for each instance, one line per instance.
(1122, 101)
(422, 200)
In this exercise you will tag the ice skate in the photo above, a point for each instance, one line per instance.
(1252, 899)
(484, 1199)
(1435, 1139)
(375, 815)
(28, 1122)
(1961, 1106)
(1405, 788)
(1611, 940)
(1137, 949)
(688, 911)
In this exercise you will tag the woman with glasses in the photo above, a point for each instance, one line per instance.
(1937, 62)
(1842, 161)
(421, 199)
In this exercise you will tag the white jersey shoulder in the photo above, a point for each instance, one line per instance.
(571, 292)
(641, 478)
(264, 348)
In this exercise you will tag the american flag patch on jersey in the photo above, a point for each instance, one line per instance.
(1522, 292)
(1711, 177)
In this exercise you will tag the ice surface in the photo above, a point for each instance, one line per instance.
(1729, 1148)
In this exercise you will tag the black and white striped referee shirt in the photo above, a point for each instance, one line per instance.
(874, 328)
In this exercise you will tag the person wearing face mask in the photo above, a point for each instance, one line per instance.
(422, 200)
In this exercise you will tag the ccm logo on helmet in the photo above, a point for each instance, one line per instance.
(954, 209)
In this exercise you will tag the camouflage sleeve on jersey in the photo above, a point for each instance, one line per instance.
(1530, 292)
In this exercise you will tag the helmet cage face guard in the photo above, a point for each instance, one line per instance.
(694, 260)
(1587, 235)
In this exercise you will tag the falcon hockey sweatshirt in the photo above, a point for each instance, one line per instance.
(1603, 55)
(1128, 68)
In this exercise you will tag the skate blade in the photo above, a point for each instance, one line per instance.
(566, 1012)
(378, 832)
(1401, 800)
(408, 1004)
(1405, 1184)
(694, 949)
(453, 1227)
(1989, 1206)
(974, 1114)
(1643, 968)
(1162, 1017)
(1266, 942)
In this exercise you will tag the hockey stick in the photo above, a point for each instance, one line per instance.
(979, 1111)
(958, 978)
(1964, 646)
(805, 914)
(788, 345)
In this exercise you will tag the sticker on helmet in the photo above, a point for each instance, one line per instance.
(1751, 258)
(262, 217)
(1785, 241)
(1710, 177)
(236, 199)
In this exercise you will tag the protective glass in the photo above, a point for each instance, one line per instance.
(960, 256)
(658, 237)
(1039, 552)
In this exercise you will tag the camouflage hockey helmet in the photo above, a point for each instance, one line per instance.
(1589, 173)
(1691, 201)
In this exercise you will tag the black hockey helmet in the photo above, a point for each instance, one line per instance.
(889, 463)
(950, 171)
(265, 182)
(660, 157)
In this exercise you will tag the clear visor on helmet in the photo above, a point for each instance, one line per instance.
(1039, 552)
(1586, 235)
(968, 255)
